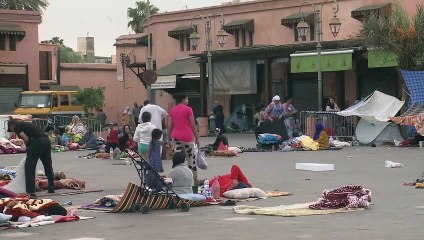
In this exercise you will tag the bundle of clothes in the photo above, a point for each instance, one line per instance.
(12, 181)
(12, 146)
(344, 197)
(20, 212)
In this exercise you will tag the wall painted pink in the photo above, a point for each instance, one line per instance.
(27, 49)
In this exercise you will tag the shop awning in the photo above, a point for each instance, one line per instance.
(382, 9)
(293, 19)
(183, 30)
(246, 24)
(143, 41)
(379, 59)
(331, 61)
(180, 67)
(10, 29)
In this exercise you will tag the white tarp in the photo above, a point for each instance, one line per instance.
(378, 107)
(235, 77)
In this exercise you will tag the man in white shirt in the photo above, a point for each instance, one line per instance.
(157, 113)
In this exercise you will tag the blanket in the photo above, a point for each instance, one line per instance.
(293, 210)
(350, 196)
(8, 147)
(268, 194)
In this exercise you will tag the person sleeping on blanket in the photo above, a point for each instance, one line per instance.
(321, 137)
(234, 180)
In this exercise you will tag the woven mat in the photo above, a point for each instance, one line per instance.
(294, 210)
(67, 192)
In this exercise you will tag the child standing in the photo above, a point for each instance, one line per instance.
(155, 159)
(143, 134)
(112, 139)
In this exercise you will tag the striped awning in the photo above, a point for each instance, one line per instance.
(292, 20)
(383, 9)
(246, 24)
(179, 31)
(10, 29)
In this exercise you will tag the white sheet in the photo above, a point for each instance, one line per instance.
(17, 185)
(379, 107)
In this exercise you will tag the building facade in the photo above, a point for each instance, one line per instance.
(263, 54)
(19, 56)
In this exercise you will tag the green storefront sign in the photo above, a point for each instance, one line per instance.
(379, 59)
(329, 63)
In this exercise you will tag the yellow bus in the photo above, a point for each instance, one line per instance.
(42, 104)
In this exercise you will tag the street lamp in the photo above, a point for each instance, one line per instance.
(221, 38)
(303, 27)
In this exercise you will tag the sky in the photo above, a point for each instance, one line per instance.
(105, 20)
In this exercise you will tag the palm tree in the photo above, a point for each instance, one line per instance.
(137, 15)
(30, 5)
(398, 34)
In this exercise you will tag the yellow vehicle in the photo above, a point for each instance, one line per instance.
(42, 104)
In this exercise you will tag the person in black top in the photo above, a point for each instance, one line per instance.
(218, 111)
(38, 147)
(219, 138)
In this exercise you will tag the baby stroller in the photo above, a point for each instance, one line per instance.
(270, 128)
(154, 192)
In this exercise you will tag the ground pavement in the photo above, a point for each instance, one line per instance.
(397, 213)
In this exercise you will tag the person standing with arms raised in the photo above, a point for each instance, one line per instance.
(38, 146)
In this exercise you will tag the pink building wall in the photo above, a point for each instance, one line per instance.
(117, 94)
(267, 15)
(27, 49)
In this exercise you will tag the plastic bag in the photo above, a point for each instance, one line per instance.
(200, 160)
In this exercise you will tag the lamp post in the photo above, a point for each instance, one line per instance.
(302, 29)
(149, 62)
(194, 42)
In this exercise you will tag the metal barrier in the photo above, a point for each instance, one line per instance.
(63, 121)
(335, 125)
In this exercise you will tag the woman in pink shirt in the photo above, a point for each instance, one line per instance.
(183, 133)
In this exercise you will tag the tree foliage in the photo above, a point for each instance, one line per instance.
(138, 15)
(29, 5)
(397, 33)
(67, 54)
(91, 99)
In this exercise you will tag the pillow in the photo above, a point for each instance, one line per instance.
(244, 193)
(235, 149)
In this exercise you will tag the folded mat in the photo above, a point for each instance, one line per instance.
(268, 194)
(293, 210)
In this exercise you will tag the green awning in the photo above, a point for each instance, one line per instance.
(179, 31)
(143, 41)
(10, 29)
(379, 59)
(180, 67)
(382, 9)
(293, 19)
(246, 24)
(331, 61)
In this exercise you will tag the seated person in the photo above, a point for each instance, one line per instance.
(321, 137)
(112, 138)
(76, 126)
(49, 131)
(59, 141)
(131, 144)
(221, 139)
(234, 180)
(89, 140)
(182, 179)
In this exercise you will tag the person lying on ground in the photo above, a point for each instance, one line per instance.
(321, 136)
(182, 179)
(235, 180)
